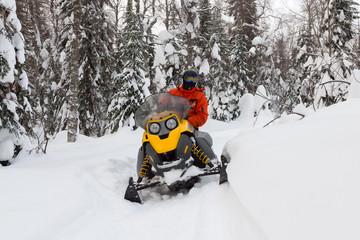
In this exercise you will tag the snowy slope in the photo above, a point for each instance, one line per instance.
(300, 180)
(296, 180)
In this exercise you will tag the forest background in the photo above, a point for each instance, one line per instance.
(85, 66)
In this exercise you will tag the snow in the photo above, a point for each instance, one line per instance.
(165, 36)
(205, 67)
(294, 180)
(8, 52)
(62, 57)
(169, 49)
(24, 80)
(354, 88)
(160, 78)
(215, 52)
(6, 145)
(18, 43)
(159, 56)
(246, 104)
(259, 41)
(8, 3)
(300, 180)
(342, 16)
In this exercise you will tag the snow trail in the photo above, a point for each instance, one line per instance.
(76, 191)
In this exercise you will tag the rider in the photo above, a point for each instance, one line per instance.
(201, 152)
(198, 113)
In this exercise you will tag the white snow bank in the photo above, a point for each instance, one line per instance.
(6, 145)
(300, 180)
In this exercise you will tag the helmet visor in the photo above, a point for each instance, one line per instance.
(191, 79)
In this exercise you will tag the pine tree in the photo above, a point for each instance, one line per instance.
(204, 34)
(180, 45)
(243, 31)
(87, 67)
(51, 95)
(267, 75)
(95, 45)
(42, 65)
(189, 40)
(225, 90)
(337, 63)
(307, 71)
(16, 112)
(240, 59)
(70, 17)
(244, 13)
(131, 83)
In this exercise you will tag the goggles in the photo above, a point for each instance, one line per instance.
(190, 79)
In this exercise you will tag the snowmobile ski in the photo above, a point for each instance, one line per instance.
(132, 193)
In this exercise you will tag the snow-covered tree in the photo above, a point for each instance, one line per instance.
(131, 82)
(96, 67)
(244, 14)
(204, 36)
(278, 90)
(87, 66)
(285, 95)
(41, 30)
(16, 112)
(240, 60)
(189, 27)
(177, 49)
(243, 31)
(337, 60)
(225, 90)
(262, 53)
(307, 72)
(70, 36)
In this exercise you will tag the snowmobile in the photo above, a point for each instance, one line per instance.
(170, 145)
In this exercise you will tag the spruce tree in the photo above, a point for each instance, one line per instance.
(69, 46)
(188, 37)
(205, 32)
(307, 71)
(179, 42)
(243, 31)
(225, 90)
(240, 59)
(96, 67)
(337, 63)
(16, 112)
(41, 30)
(131, 83)
(87, 66)
(285, 93)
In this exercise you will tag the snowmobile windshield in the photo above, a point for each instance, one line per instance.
(160, 106)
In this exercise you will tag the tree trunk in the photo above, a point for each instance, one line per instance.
(73, 101)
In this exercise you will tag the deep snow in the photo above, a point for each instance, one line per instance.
(296, 179)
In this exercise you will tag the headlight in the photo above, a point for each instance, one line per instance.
(154, 128)
(171, 123)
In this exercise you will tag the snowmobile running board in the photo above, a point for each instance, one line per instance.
(132, 194)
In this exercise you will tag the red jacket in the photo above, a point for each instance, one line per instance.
(199, 110)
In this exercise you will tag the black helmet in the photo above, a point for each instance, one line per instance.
(190, 78)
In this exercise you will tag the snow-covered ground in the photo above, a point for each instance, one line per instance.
(297, 179)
